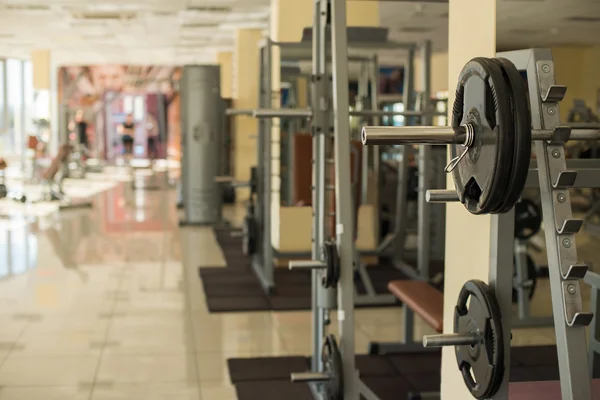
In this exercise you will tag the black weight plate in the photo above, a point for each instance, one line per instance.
(332, 361)
(522, 133)
(528, 219)
(482, 100)
(330, 257)
(501, 93)
(481, 365)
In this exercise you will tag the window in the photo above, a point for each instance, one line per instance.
(128, 104)
(13, 140)
(29, 100)
(138, 108)
(3, 110)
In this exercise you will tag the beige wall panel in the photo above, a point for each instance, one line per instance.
(465, 233)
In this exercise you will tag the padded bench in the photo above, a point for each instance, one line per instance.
(422, 299)
(418, 297)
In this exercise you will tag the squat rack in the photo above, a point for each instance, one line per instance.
(554, 178)
(262, 260)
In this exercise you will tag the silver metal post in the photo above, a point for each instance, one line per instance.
(575, 379)
(375, 151)
(451, 339)
(322, 299)
(424, 168)
(501, 279)
(409, 80)
(569, 320)
(343, 193)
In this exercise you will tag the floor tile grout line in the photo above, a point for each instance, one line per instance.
(106, 335)
(12, 345)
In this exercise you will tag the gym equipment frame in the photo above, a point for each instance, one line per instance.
(554, 179)
(262, 260)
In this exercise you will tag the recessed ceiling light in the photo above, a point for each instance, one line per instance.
(211, 9)
(26, 7)
(415, 29)
(583, 18)
(198, 25)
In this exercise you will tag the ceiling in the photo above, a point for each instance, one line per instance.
(192, 31)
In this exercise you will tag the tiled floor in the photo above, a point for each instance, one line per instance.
(106, 304)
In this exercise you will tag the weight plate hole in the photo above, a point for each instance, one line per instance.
(472, 193)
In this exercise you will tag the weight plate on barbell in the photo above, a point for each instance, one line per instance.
(482, 365)
(482, 100)
(521, 117)
(331, 258)
(528, 219)
(332, 363)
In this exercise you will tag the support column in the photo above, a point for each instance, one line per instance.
(245, 85)
(459, 269)
(288, 19)
(42, 84)
(225, 61)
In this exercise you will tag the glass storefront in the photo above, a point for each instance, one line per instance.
(16, 105)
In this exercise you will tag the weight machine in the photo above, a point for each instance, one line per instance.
(257, 226)
(499, 145)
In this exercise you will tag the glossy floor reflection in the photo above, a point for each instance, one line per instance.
(106, 304)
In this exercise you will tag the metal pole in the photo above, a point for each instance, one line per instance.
(322, 299)
(361, 105)
(424, 168)
(343, 193)
(569, 319)
(267, 242)
(501, 281)
(375, 151)
(409, 81)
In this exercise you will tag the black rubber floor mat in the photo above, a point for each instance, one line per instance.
(236, 287)
(280, 389)
(391, 376)
(266, 368)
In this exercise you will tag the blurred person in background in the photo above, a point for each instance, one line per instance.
(127, 131)
(80, 126)
(152, 137)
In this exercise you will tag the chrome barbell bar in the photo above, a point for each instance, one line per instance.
(394, 135)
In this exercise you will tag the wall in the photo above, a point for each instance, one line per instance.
(577, 68)
(439, 72)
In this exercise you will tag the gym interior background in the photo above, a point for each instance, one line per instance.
(251, 199)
